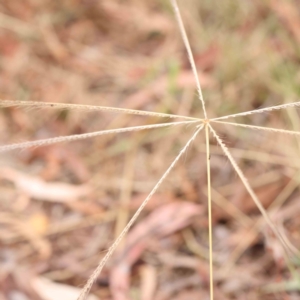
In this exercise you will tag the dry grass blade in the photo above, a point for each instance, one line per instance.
(190, 54)
(276, 130)
(76, 137)
(259, 111)
(111, 250)
(248, 188)
(36, 104)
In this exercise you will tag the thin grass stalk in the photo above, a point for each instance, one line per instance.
(76, 137)
(190, 54)
(211, 278)
(69, 106)
(259, 111)
(270, 129)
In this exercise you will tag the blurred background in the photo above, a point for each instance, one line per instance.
(63, 205)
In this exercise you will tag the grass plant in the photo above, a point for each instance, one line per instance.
(204, 124)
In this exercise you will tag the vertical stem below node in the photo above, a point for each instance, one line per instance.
(211, 283)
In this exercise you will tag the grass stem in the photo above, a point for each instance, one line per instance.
(211, 282)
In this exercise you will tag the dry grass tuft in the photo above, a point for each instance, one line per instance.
(208, 125)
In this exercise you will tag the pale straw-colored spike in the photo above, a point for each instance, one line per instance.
(270, 129)
(248, 188)
(190, 54)
(76, 137)
(259, 111)
(211, 277)
(69, 106)
(95, 274)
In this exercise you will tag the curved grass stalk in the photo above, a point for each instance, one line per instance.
(97, 271)
(190, 54)
(271, 129)
(37, 104)
(76, 137)
(259, 111)
(248, 188)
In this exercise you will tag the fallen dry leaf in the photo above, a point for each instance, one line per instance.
(46, 191)
(49, 290)
(266, 194)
